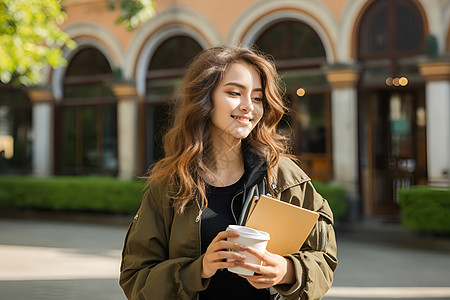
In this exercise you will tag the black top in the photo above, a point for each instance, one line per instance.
(215, 218)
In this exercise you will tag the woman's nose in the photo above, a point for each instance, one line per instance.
(246, 103)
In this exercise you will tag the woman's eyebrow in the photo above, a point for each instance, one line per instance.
(236, 84)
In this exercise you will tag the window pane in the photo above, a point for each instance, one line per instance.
(158, 120)
(90, 150)
(291, 40)
(110, 138)
(374, 34)
(409, 28)
(161, 89)
(88, 61)
(305, 42)
(72, 91)
(15, 131)
(378, 33)
(271, 40)
(68, 138)
(15, 139)
(174, 53)
(88, 90)
(311, 119)
(304, 78)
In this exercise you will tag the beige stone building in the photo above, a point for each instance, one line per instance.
(367, 82)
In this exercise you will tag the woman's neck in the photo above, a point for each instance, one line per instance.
(227, 161)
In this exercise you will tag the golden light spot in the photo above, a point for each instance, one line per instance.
(389, 81)
(301, 92)
(403, 81)
(396, 81)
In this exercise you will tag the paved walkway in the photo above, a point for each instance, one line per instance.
(58, 260)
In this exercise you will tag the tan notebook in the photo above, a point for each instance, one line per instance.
(288, 225)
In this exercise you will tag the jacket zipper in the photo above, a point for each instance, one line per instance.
(200, 212)
(198, 220)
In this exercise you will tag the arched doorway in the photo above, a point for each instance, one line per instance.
(391, 101)
(86, 117)
(299, 55)
(165, 70)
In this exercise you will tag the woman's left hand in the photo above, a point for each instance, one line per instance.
(274, 269)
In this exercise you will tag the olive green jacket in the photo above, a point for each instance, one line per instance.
(162, 259)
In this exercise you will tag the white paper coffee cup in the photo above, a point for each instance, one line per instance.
(248, 237)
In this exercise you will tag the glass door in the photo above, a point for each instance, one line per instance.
(396, 140)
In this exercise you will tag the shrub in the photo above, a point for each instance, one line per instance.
(425, 209)
(103, 194)
(336, 197)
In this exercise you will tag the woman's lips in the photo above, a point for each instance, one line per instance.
(242, 119)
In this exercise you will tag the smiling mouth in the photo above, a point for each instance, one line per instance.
(245, 119)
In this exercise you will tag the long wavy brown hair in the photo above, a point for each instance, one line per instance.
(188, 146)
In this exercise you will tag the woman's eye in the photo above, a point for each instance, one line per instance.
(235, 94)
(257, 99)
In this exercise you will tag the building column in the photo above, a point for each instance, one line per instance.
(126, 129)
(344, 119)
(437, 75)
(42, 124)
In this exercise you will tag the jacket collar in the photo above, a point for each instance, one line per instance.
(255, 168)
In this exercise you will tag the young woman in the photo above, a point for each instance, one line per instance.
(222, 150)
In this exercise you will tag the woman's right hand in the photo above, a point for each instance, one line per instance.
(217, 253)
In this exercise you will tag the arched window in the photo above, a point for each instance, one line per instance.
(86, 131)
(15, 131)
(165, 70)
(390, 32)
(304, 43)
(299, 55)
(391, 29)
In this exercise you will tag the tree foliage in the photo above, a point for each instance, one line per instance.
(133, 12)
(30, 39)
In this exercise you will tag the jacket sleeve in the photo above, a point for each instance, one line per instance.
(146, 270)
(317, 259)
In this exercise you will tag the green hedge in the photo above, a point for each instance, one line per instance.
(336, 197)
(104, 194)
(101, 194)
(425, 209)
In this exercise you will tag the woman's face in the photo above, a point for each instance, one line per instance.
(237, 101)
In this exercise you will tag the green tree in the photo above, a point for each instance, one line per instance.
(133, 12)
(30, 39)
(30, 36)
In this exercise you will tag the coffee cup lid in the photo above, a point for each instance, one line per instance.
(250, 232)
